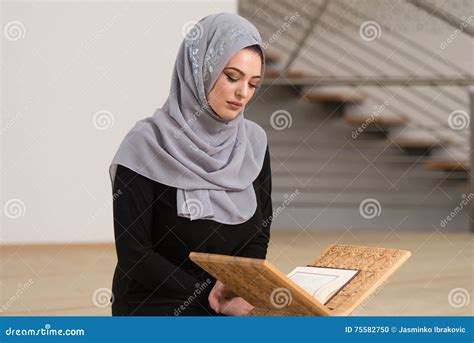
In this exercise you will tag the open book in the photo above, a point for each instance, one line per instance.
(322, 282)
(341, 277)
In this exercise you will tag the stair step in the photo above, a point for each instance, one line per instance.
(452, 158)
(370, 120)
(447, 165)
(335, 94)
(370, 112)
(418, 143)
(414, 138)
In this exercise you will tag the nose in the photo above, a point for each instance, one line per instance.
(242, 91)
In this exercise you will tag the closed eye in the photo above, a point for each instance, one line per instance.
(231, 79)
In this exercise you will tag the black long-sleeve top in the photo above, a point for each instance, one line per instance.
(154, 275)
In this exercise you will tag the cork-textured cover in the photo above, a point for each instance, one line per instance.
(273, 293)
(375, 265)
(260, 283)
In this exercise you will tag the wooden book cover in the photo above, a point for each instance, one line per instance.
(272, 293)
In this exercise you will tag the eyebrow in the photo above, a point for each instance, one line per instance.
(241, 72)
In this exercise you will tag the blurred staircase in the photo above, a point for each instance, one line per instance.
(350, 156)
(324, 175)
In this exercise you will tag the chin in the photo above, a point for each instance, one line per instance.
(228, 116)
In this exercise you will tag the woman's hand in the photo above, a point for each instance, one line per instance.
(217, 295)
(223, 300)
(236, 307)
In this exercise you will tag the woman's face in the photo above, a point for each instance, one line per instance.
(236, 84)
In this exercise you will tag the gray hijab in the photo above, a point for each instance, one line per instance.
(210, 161)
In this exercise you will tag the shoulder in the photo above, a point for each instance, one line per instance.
(128, 174)
(130, 178)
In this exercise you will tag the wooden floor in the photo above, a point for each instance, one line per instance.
(62, 279)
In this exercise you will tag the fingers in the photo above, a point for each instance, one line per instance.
(236, 307)
(223, 300)
(214, 301)
(227, 308)
(215, 306)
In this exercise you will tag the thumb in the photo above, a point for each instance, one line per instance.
(214, 301)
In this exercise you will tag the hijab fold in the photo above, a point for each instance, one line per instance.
(211, 162)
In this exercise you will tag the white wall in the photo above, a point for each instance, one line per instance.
(75, 60)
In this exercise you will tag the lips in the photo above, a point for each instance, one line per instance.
(235, 103)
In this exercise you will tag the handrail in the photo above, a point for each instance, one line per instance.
(263, 21)
(442, 15)
(408, 41)
(302, 41)
(413, 52)
(375, 52)
(371, 81)
(408, 81)
(397, 82)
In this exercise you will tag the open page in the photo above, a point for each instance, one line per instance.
(321, 283)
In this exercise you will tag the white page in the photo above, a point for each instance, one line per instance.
(312, 279)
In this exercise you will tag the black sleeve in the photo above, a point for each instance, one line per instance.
(257, 247)
(134, 197)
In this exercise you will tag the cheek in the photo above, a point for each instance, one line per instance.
(225, 87)
(221, 90)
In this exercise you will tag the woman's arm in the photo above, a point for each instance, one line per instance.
(133, 222)
(221, 298)
(258, 245)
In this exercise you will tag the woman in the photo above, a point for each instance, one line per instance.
(195, 176)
